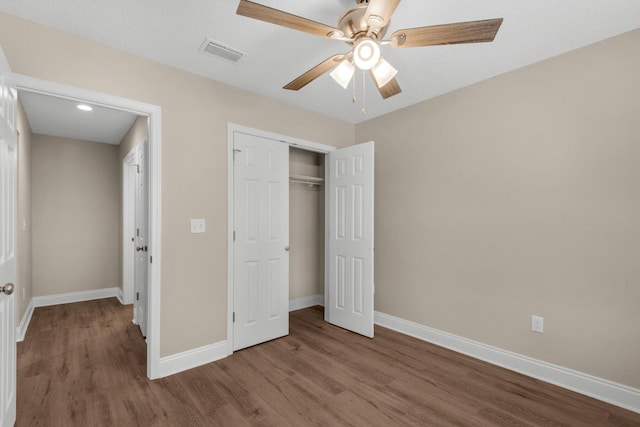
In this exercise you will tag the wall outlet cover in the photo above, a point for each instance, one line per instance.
(537, 324)
(198, 225)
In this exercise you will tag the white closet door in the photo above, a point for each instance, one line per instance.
(261, 246)
(350, 254)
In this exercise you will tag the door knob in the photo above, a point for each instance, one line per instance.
(286, 248)
(7, 289)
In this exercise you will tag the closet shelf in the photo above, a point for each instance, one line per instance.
(309, 180)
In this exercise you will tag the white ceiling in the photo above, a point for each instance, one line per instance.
(49, 115)
(172, 31)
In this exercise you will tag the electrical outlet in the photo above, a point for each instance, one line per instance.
(537, 324)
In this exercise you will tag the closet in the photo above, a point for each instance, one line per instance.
(306, 227)
(278, 231)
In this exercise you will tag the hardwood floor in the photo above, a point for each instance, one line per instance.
(83, 364)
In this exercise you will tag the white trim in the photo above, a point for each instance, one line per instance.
(230, 260)
(598, 388)
(231, 129)
(154, 226)
(153, 112)
(327, 200)
(294, 142)
(189, 359)
(21, 330)
(59, 90)
(306, 302)
(120, 296)
(173, 364)
(71, 297)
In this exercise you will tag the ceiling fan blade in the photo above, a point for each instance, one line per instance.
(460, 32)
(314, 73)
(382, 8)
(274, 16)
(388, 90)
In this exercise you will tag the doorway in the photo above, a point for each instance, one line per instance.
(258, 165)
(44, 87)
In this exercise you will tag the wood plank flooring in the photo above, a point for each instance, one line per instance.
(83, 364)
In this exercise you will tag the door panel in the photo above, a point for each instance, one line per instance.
(8, 253)
(261, 224)
(142, 244)
(129, 189)
(350, 241)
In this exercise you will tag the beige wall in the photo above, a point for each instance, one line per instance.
(518, 196)
(195, 113)
(306, 226)
(24, 289)
(512, 197)
(76, 214)
(134, 137)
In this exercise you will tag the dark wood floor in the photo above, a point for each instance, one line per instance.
(84, 365)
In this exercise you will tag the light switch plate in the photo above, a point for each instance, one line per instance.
(198, 225)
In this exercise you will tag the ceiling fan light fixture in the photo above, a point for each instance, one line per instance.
(366, 53)
(343, 73)
(364, 27)
(383, 72)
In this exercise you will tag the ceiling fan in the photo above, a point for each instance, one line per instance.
(363, 27)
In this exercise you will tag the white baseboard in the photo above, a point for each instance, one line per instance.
(21, 330)
(189, 359)
(120, 295)
(300, 303)
(179, 362)
(598, 388)
(46, 300)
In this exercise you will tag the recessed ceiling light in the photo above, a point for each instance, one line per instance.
(84, 107)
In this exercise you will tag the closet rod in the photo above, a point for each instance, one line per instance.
(310, 184)
(309, 180)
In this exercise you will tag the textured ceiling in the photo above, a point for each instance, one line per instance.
(171, 32)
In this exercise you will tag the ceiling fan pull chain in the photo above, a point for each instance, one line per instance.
(364, 84)
(353, 89)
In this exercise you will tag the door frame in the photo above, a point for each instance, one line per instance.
(153, 112)
(292, 142)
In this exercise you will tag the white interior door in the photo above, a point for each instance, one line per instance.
(129, 191)
(8, 253)
(261, 244)
(142, 244)
(350, 240)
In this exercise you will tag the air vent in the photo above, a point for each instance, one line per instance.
(211, 47)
